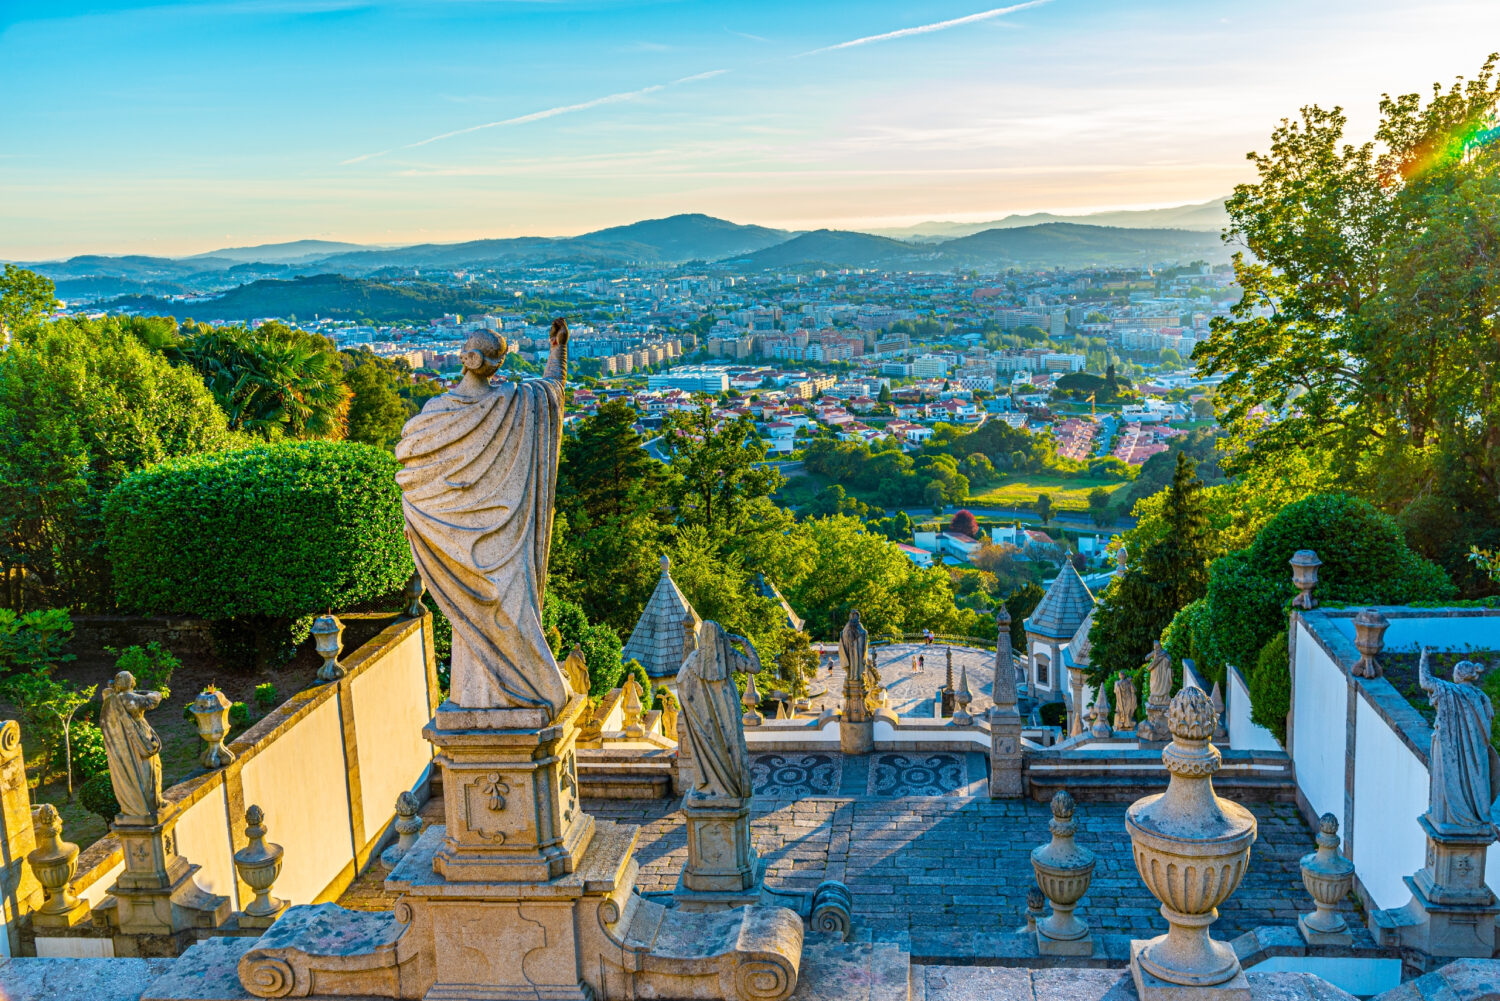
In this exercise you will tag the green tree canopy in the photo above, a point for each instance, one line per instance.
(25, 298)
(83, 403)
(272, 381)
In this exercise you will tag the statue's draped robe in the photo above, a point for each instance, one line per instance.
(711, 720)
(1161, 679)
(1462, 762)
(1125, 697)
(853, 642)
(132, 749)
(478, 480)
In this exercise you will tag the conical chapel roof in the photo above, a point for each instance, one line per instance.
(666, 630)
(1063, 608)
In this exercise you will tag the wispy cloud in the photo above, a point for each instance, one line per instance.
(536, 116)
(927, 29)
(746, 34)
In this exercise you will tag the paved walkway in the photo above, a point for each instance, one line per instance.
(912, 693)
(927, 854)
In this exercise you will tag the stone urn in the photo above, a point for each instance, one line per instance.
(1063, 870)
(1305, 563)
(1328, 876)
(211, 712)
(328, 638)
(258, 864)
(1369, 639)
(53, 861)
(1191, 848)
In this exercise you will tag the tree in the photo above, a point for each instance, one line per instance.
(1203, 408)
(934, 495)
(798, 663)
(25, 298)
(604, 472)
(1370, 286)
(82, 404)
(1099, 506)
(964, 523)
(719, 467)
(885, 393)
(1168, 574)
(49, 706)
(377, 411)
(1043, 507)
(272, 381)
(1019, 604)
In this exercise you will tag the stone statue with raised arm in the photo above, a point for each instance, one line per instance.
(711, 720)
(1463, 767)
(479, 471)
(1159, 697)
(854, 643)
(132, 748)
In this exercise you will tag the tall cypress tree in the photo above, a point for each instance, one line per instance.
(1170, 573)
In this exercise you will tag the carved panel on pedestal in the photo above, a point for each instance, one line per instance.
(484, 802)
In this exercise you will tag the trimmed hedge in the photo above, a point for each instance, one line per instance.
(281, 530)
(1366, 560)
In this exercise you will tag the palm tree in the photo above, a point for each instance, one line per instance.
(272, 381)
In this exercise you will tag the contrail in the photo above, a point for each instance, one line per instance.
(537, 116)
(923, 29)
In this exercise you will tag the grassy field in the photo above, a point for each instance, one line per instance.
(1067, 494)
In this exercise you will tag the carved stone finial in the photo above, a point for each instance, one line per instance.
(1191, 849)
(408, 825)
(1328, 876)
(1369, 639)
(415, 588)
(54, 862)
(211, 712)
(666, 563)
(1304, 564)
(258, 865)
(633, 708)
(751, 701)
(328, 639)
(962, 699)
(1101, 730)
(1036, 906)
(1063, 870)
(1221, 728)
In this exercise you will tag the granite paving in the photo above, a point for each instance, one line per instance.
(917, 866)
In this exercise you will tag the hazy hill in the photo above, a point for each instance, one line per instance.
(836, 248)
(691, 237)
(323, 295)
(1070, 245)
(1208, 216)
(297, 250)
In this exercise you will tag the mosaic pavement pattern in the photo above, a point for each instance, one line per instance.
(795, 774)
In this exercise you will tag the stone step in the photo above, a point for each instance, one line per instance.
(853, 971)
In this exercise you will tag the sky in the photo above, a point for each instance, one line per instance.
(179, 126)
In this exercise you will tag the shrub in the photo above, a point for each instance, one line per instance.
(1366, 560)
(567, 626)
(1053, 713)
(1271, 687)
(260, 535)
(34, 641)
(239, 714)
(98, 797)
(151, 665)
(643, 681)
(89, 758)
(266, 696)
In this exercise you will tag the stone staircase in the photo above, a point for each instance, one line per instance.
(853, 971)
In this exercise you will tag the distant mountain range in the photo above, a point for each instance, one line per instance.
(249, 279)
(1209, 216)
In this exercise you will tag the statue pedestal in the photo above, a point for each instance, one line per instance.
(1451, 912)
(722, 870)
(1006, 780)
(856, 736)
(510, 795)
(156, 895)
(1154, 729)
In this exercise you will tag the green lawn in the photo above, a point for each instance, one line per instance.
(1067, 494)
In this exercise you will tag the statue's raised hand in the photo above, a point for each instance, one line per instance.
(559, 335)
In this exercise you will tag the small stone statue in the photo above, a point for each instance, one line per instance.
(1125, 702)
(1463, 766)
(853, 642)
(1155, 726)
(576, 670)
(711, 714)
(479, 471)
(132, 748)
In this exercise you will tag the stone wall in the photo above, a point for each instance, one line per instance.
(326, 766)
(191, 640)
(1360, 749)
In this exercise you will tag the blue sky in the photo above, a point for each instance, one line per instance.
(176, 127)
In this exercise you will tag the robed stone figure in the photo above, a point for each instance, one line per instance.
(131, 747)
(479, 472)
(1161, 676)
(711, 721)
(1462, 765)
(853, 643)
